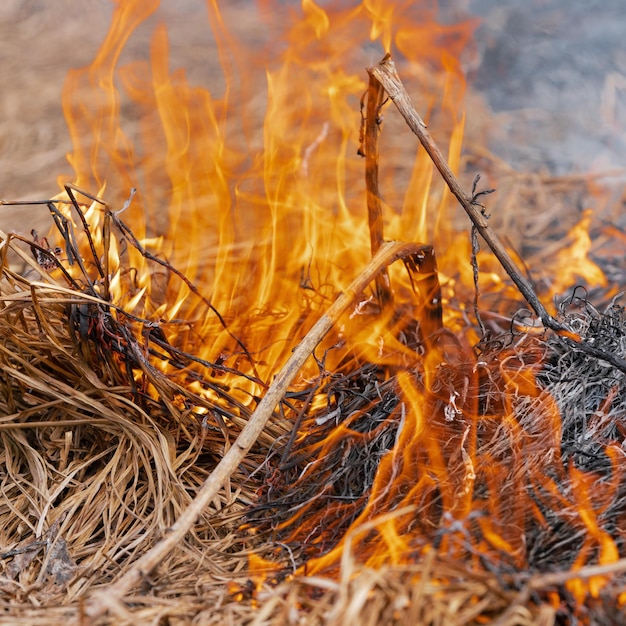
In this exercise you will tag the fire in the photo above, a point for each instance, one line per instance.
(268, 200)
(579, 264)
(253, 189)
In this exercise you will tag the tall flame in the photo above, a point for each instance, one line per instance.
(255, 193)
(254, 190)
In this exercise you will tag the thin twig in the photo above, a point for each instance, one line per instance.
(69, 190)
(295, 428)
(385, 72)
(113, 595)
(474, 261)
(375, 95)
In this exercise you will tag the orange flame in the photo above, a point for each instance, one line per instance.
(260, 214)
(256, 195)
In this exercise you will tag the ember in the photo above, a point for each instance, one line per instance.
(225, 399)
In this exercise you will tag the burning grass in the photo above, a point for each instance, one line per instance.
(104, 452)
(408, 464)
(95, 468)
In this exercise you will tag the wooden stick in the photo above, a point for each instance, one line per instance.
(385, 72)
(375, 95)
(111, 597)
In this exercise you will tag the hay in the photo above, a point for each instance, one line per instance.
(95, 470)
(102, 452)
(96, 467)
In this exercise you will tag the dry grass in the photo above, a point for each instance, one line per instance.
(95, 470)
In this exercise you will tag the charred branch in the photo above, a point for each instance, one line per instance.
(372, 122)
(385, 72)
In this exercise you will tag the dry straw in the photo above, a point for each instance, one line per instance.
(95, 471)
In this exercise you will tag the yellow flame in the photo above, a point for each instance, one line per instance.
(264, 209)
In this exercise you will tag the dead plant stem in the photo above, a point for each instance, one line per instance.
(385, 72)
(112, 597)
(375, 95)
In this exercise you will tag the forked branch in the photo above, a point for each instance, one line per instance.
(385, 72)
(112, 596)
